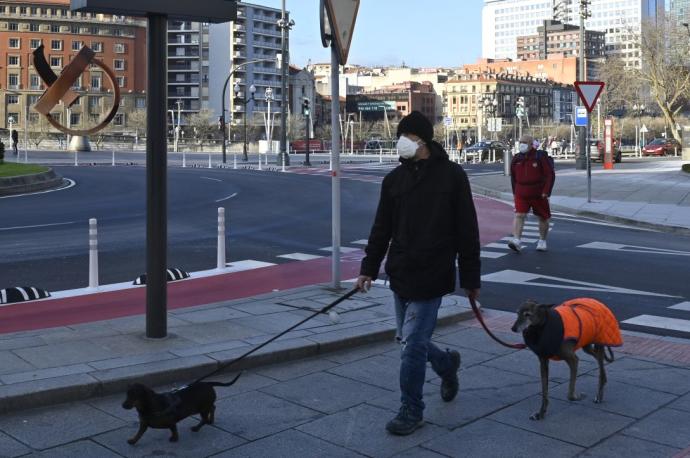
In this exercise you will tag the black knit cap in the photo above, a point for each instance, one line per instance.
(417, 124)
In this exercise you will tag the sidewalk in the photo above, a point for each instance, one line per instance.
(653, 195)
(336, 405)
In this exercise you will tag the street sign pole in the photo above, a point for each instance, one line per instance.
(588, 157)
(335, 154)
(588, 92)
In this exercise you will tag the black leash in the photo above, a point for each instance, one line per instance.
(323, 310)
(478, 314)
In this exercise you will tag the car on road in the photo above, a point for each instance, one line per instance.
(596, 152)
(483, 149)
(661, 147)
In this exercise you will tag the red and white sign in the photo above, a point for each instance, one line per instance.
(608, 143)
(589, 92)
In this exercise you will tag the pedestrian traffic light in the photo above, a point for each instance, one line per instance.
(305, 107)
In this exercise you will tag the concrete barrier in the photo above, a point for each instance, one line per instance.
(29, 183)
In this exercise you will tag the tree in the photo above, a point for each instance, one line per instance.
(621, 86)
(203, 125)
(664, 51)
(38, 130)
(136, 120)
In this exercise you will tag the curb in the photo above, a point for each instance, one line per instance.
(29, 183)
(79, 387)
(508, 198)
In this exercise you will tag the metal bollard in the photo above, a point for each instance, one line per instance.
(93, 253)
(113, 164)
(221, 238)
(507, 157)
(184, 159)
(260, 160)
(330, 161)
(381, 155)
(76, 157)
(234, 162)
(209, 160)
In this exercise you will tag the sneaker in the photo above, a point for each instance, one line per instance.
(541, 245)
(515, 245)
(449, 383)
(405, 422)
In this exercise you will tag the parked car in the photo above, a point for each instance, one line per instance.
(483, 149)
(596, 151)
(661, 147)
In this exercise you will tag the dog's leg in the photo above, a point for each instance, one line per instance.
(568, 354)
(175, 436)
(212, 415)
(142, 429)
(544, 369)
(204, 420)
(599, 355)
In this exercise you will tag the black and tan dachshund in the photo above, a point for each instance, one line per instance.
(165, 410)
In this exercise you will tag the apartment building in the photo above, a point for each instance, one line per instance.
(503, 21)
(250, 45)
(555, 37)
(25, 25)
(396, 101)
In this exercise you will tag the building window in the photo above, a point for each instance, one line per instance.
(74, 29)
(54, 28)
(13, 61)
(13, 81)
(33, 118)
(12, 99)
(97, 46)
(119, 48)
(13, 26)
(120, 81)
(56, 61)
(56, 45)
(76, 45)
(74, 119)
(34, 10)
(96, 81)
(140, 102)
(14, 43)
(34, 81)
(119, 119)
(77, 85)
(34, 27)
(117, 32)
(94, 102)
(118, 64)
(14, 116)
(94, 30)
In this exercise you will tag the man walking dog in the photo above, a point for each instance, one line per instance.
(531, 177)
(425, 222)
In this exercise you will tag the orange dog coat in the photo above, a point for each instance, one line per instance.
(588, 321)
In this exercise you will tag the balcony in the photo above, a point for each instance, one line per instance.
(183, 66)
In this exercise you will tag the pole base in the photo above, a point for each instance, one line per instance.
(280, 157)
(580, 163)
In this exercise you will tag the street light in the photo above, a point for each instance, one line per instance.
(10, 121)
(225, 90)
(285, 27)
(638, 111)
(268, 96)
(244, 101)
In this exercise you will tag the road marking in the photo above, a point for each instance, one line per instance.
(71, 184)
(343, 249)
(502, 246)
(226, 198)
(491, 254)
(248, 264)
(600, 223)
(360, 242)
(36, 225)
(652, 321)
(529, 279)
(209, 178)
(299, 256)
(523, 240)
(685, 306)
(632, 248)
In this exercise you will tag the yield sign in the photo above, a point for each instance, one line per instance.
(342, 15)
(589, 92)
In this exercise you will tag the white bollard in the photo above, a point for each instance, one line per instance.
(380, 154)
(184, 159)
(76, 158)
(260, 160)
(283, 161)
(93, 253)
(221, 238)
(209, 160)
(265, 160)
(234, 162)
(330, 161)
(113, 164)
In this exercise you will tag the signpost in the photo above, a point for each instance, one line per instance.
(589, 92)
(337, 24)
(157, 13)
(643, 131)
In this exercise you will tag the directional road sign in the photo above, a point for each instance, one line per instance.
(589, 92)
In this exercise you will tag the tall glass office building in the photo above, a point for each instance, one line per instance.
(680, 11)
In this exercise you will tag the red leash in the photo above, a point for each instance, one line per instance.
(478, 314)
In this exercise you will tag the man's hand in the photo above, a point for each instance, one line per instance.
(545, 196)
(364, 283)
(472, 293)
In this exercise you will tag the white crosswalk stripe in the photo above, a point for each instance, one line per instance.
(343, 249)
(491, 254)
(299, 256)
(663, 322)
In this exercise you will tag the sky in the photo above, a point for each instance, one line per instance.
(420, 33)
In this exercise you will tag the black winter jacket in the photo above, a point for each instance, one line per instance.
(425, 221)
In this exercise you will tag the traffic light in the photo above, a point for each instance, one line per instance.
(221, 123)
(305, 107)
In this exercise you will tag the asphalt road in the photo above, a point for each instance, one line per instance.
(271, 214)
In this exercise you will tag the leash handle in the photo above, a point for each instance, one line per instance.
(325, 309)
(478, 314)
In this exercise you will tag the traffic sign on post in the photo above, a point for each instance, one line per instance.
(448, 121)
(341, 17)
(580, 116)
(589, 92)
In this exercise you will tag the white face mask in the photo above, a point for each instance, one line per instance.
(524, 147)
(407, 148)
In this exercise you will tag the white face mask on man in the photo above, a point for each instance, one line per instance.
(523, 148)
(407, 148)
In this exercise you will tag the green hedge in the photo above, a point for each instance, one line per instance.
(686, 168)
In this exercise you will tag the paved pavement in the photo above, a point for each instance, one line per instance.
(653, 194)
(327, 389)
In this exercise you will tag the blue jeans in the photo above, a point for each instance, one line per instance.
(416, 320)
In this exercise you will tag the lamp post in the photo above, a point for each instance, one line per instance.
(10, 121)
(244, 101)
(285, 27)
(222, 109)
(268, 95)
(638, 111)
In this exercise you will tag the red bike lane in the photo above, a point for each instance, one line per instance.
(495, 221)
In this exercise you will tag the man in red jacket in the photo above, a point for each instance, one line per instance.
(532, 178)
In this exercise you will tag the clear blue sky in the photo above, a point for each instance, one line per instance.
(422, 33)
